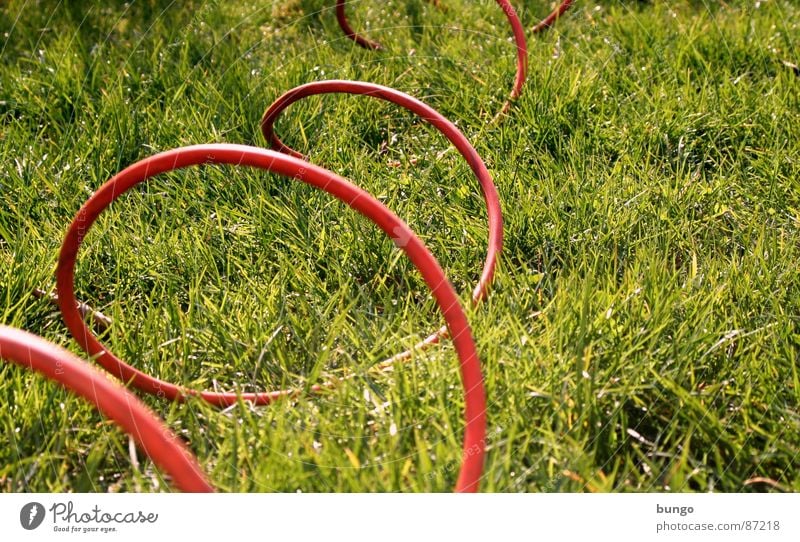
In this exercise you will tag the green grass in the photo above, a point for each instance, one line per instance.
(643, 333)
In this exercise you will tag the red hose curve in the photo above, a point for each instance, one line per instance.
(548, 21)
(114, 401)
(289, 166)
(516, 28)
(438, 121)
(344, 24)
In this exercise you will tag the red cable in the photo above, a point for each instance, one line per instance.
(114, 401)
(511, 15)
(289, 166)
(438, 121)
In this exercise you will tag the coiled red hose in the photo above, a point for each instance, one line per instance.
(438, 121)
(156, 440)
(516, 28)
(417, 107)
(114, 401)
(513, 19)
(290, 166)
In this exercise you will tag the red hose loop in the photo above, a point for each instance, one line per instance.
(114, 401)
(289, 166)
(516, 27)
(438, 121)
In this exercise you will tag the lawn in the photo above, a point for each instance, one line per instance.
(643, 333)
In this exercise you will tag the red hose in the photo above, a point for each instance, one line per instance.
(344, 24)
(438, 121)
(114, 401)
(511, 15)
(548, 21)
(241, 155)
